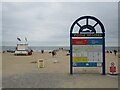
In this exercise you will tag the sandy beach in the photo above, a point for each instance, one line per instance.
(19, 72)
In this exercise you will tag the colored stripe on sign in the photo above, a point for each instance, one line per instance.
(95, 41)
(88, 64)
(80, 59)
(79, 41)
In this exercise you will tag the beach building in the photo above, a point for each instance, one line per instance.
(21, 49)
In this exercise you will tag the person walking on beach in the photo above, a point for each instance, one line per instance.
(110, 51)
(107, 51)
(31, 50)
(42, 51)
(115, 51)
(53, 53)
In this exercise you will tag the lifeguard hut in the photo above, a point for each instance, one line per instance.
(21, 49)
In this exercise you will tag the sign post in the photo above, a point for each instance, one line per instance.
(112, 68)
(87, 46)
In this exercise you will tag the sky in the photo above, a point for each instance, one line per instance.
(48, 23)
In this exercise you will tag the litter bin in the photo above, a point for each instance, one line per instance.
(40, 63)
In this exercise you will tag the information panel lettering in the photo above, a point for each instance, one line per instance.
(87, 52)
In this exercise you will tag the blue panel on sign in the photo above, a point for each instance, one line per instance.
(88, 64)
(95, 41)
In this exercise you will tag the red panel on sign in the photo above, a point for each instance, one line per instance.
(79, 41)
(113, 69)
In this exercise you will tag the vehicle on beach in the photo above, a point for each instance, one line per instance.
(21, 49)
(11, 51)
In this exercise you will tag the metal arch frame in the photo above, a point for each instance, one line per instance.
(103, 37)
(88, 17)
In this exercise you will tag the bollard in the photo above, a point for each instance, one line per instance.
(40, 63)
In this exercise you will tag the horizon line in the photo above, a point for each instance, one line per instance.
(53, 46)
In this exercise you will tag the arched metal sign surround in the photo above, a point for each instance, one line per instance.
(88, 33)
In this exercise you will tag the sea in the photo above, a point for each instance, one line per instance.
(47, 48)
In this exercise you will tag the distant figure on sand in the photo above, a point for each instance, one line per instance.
(16, 48)
(107, 51)
(110, 51)
(53, 53)
(115, 51)
(69, 51)
(31, 50)
(42, 51)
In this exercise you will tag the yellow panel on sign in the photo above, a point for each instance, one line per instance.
(80, 59)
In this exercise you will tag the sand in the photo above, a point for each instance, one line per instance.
(19, 72)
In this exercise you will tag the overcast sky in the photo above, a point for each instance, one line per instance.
(48, 24)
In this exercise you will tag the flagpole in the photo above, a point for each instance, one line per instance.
(16, 44)
(17, 40)
(26, 40)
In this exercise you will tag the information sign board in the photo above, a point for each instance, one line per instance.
(87, 46)
(87, 52)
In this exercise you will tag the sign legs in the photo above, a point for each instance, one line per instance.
(71, 69)
(103, 66)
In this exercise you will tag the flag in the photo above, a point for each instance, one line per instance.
(18, 39)
(25, 39)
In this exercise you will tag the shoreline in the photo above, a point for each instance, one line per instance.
(50, 48)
